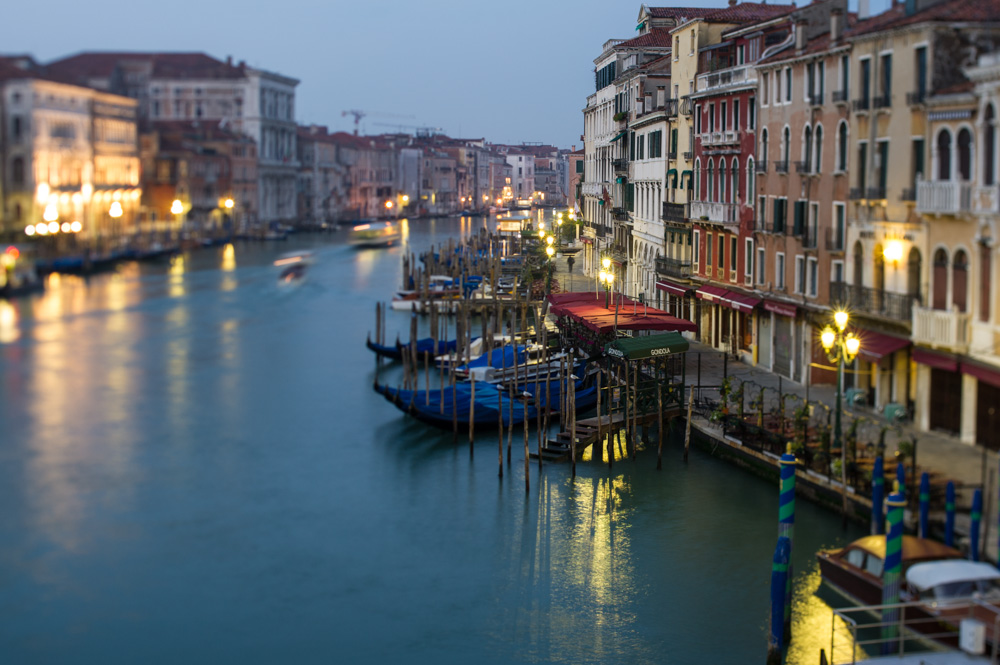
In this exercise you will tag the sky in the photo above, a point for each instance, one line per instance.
(510, 72)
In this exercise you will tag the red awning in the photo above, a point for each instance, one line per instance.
(588, 309)
(710, 293)
(673, 288)
(587, 241)
(876, 345)
(990, 375)
(739, 301)
(784, 309)
(936, 360)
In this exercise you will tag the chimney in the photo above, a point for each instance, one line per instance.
(800, 35)
(732, 3)
(229, 60)
(836, 24)
(863, 10)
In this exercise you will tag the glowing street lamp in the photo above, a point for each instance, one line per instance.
(229, 203)
(841, 347)
(177, 207)
(116, 210)
(607, 278)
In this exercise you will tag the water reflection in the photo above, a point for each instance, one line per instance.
(10, 331)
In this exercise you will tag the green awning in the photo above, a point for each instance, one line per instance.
(600, 202)
(689, 175)
(621, 179)
(623, 133)
(640, 26)
(672, 172)
(649, 346)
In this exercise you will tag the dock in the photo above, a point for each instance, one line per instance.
(560, 449)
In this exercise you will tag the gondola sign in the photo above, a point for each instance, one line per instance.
(647, 346)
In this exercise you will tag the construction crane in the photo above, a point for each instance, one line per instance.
(420, 130)
(361, 114)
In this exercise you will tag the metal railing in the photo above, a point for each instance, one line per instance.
(916, 98)
(876, 193)
(839, 96)
(671, 107)
(882, 101)
(689, 155)
(908, 195)
(855, 193)
(816, 99)
(619, 165)
(619, 214)
(834, 240)
(877, 302)
(803, 167)
(731, 76)
(761, 165)
(781, 167)
(861, 104)
(673, 268)
(675, 212)
(671, 154)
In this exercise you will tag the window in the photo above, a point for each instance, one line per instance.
(765, 88)
(839, 226)
(711, 180)
(751, 182)
(780, 214)
(821, 82)
(842, 146)
(944, 155)
(697, 118)
(920, 61)
(837, 272)
(812, 227)
(917, 169)
(17, 168)
(722, 179)
(722, 253)
(807, 147)
(985, 292)
(800, 274)
(736, 114)
(697, 179)
(779, 270)
(883, 167)
(748, 259)
(786, 149)
(818, 140)
(866, 80)
(799, 220)
(16, 127)
(965, 154)
(696, 254)
(777, 87)
(762, 155)
(732, 258)
(711, 117)
(810, 86)
(845, 75)
(708, 251)
(812, 266)
(734, 173)
(761, 265)
(762, 213)
(989, 145)
(788, 84)
(939, 286)
(752, 114)
(862, 164)
(886, 76)
(959, 281)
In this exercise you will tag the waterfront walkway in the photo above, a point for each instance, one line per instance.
(968, 465)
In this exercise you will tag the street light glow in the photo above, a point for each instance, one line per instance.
(550, 250)
(606, 262)
(75, 227)
(853, 345)
(116, 210)
(840, 318)
(50, 214)
(53, 227)
(29, 230)
(230, 203)
(177, 207)
(828, 337)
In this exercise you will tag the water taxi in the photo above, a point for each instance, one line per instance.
(375, 234)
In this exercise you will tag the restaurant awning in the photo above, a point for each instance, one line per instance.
(784, 309)
(588, 309)
(732, 299)
(876, 345)
(990, 375)
(933, 359)
(674, 288)
(709, 292)
(648, 346)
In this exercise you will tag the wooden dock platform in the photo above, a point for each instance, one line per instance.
(559, 449)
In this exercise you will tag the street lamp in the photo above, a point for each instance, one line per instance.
(607, 278)
(841, 347)
(550, 251)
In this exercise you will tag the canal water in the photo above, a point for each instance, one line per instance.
(194, 468)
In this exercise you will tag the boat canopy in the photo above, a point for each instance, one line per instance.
(914, 549)
(928, 575)
(649, 346)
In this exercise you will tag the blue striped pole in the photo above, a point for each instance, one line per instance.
(901, 479)
(891, 575)
(949, 514)
(925, 503)
(779, 578)
(977, 515)
(786, 529)
(878, 496)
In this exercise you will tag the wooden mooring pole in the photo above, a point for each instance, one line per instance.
(687, 425)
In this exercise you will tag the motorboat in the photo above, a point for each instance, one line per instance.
(856, 569)
(443, 293)
(292, 265)
(375, 234)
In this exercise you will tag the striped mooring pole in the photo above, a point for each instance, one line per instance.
(878, 496)
(893, 569)
(925, 503)
(977, 516)
(786, 529)
(779, 578)
(901, 479)
(949, 514)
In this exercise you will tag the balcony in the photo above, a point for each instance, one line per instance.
(916, 98)
(689, 155)
(714, 211)
(882, 101)
(675, 212)
(618, 254)
(855, 193)
(875, 302)
(803, 167)
(673, 268)
(686, 106)
(723, 137)
(619, 214)
(935, 327)
(671, 107)
(909, 195)
(671, 154)
(876, 193)
(733, 76)
(620, 165)
(816, 99)
(834, 240)
(839, 96)
(943, 197)
(781, 167)
(860, 105)
(761, 165)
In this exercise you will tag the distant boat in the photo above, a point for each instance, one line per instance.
(292, 266)
(375, 234)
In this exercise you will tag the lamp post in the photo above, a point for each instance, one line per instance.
(177, 210)
(550, 251)
(229, 203)
(841, 347)
(607, 278)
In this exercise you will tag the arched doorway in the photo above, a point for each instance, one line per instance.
(913, 269)
(939, 286)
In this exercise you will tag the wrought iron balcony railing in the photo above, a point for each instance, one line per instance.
(675, 212)
(673, 268)
(876, 302)
(781, 167)
(839, 96)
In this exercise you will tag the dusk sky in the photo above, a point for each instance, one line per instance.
(510, 71)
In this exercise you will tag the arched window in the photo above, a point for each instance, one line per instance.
(913, 267)
(878, 276)
(807, 148)
(939, 287)
(842, 146)
(722, 180)
(786, 149)
(697, 179)
(818, 140)
(17, 171)
(734, 173)
(959, 280)
(985, 291)
(710, 180)
(751, 190)
(965, 154)
(944, 155)
(989, 146)
(859, 264)
(762, 155)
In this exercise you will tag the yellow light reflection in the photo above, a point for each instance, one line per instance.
(176, 285)
(229, 258)
(10, 331)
